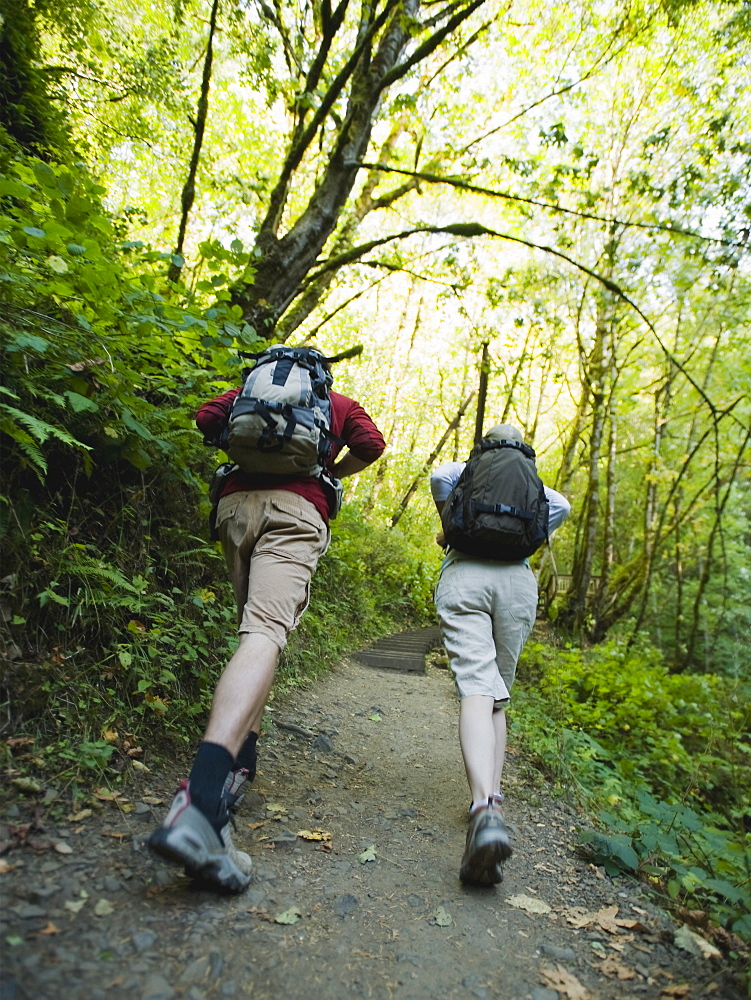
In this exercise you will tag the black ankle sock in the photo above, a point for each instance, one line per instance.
(210, 769)
(248, 756)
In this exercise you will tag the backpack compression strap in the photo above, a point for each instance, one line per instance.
(503, 508)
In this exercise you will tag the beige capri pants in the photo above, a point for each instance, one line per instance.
(486, 610)
(272, 541)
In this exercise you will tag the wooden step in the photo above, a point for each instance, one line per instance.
(403, 651)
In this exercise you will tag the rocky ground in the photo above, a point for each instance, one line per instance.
(356, 825)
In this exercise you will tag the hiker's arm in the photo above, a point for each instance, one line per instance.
(442, 482)
(349, 465)
(360, 435)
(559, 509)
(212, 416)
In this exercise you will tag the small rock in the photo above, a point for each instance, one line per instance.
(141, 809)
(196, 971)
(284, 837)
(345, 904)
(263, 874)
(38, 894)
(253, 801)
(415, 900)
(561, 954)
(323, 742)
(469, 981)
(143, 940)
(28, 912)
(543, 993)
(156, 987)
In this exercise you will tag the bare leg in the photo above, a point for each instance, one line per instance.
(478, 739)
(499, 724)
(242, 691)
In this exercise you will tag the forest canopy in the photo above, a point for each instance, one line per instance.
(557, 193)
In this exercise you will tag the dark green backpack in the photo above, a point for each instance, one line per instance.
(498, 508)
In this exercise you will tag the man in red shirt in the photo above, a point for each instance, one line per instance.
(273, 534)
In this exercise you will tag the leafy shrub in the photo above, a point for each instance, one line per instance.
(662, 759)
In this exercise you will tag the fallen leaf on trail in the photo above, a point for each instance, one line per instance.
(563, 981)
(105, 795)
(695, 944)
(605, 918)
(62, 848)
(258, 825)
(75, 905)
(50, 929)
(104, 908)
(369, 854)
(684, 992)
(290, 916)
(258, 911)
(529, 904)
(326, 848)
(152, 800)
(612, 967)
(113, 833)
(442, 918)
(19, 741)
(375, 717)
(110, 735)
(138, 766)
(28, 785)
(77, 817)
(14, 940)
(5, 867)
(314, 834)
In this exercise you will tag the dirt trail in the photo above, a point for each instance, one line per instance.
(370, 758)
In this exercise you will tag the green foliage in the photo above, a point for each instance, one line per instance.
(27, 110)
(663, 759)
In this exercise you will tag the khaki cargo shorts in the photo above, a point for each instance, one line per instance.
(486, 610)
(272, 541)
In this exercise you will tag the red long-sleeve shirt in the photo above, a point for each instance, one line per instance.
(349, 422)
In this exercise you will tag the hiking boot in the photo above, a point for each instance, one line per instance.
(189, 839)
(487, 847)
(235, 787)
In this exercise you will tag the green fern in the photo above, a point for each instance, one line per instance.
(39, 429)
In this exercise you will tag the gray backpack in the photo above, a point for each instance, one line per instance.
(280, 423)
(498, 508)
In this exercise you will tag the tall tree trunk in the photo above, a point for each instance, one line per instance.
(280, 264)
(597, 370)
(482, 394)
(199, 129)
(721, 500)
